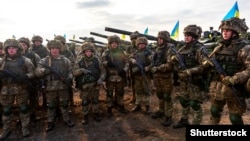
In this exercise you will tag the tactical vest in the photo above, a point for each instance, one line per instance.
(93, 66)
(160, 55)
(41, 51)
(116, 59)
(142, 58)
(31, 55)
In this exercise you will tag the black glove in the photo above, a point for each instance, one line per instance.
(21, 78)
(67, 81)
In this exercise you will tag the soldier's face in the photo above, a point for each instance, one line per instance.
(188, 38)
(24, 46)
(227, 34)
(55, 52)
(160, 41)
(88, 53)
(114, 45)
(37, 43)
(12, 51)
(141, 46)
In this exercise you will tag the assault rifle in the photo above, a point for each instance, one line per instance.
(221, 72)
(105, 36)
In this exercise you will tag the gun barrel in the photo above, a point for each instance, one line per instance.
(83, 38)
(75, 41)
(99, 35)
(149, 37)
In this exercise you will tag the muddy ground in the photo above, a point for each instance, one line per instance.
(120, 127)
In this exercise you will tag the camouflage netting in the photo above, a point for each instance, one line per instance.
(236, 24)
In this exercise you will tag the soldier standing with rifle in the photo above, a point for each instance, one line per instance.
(57, 71)
(140, 66)
(231, 62)
(189, 59)
(162, 69)
(91, 75)
(116, 64)
(15, 72)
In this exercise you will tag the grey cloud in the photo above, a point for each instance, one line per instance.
(92, 4)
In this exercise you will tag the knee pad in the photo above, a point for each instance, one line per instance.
(167, 97)
(109, 94)
(195, 104)
(215, 111)
(236, 119)
(183, 102)
(64, 104)
(51, 105)
(7, 110)
(24, 109)
(85, 102)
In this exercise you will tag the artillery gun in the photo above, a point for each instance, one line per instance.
(91, 39)
(126, 43)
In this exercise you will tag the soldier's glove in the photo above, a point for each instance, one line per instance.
(146, 69)
(133, 61)
(229, 81)
(153, 69)
(85, 71)
(2, 74)
(67, 81)
(99, 82)
(21, 78)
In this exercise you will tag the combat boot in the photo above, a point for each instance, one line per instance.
(168, 121)
(97, 117)
(137, 108)
(158, 114)
(5, 134)
(85, 120)
(69, 123)
(122, 109)
(109, 112)
(147, 112)
(182, 123)
(50, 127)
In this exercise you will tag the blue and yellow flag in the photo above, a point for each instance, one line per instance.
(234, 12)
(74, 37)
(175, 31)
(123, 37)
(146, 31)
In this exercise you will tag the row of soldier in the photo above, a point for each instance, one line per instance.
(57, 71)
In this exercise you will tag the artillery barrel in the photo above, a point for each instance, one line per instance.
(75, 41)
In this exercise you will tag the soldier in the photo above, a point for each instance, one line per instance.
(189, 58)
(130, 50)
(140, 64)
(162, 69)
(68, 54)
(56, 70)
(35, 59)
(116, 64)
(2, 53)
(92, 74)
(42, 51)
(228, 88)
(16, 70)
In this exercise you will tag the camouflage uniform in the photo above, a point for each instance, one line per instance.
(232, 53)
(56, 71)
(89, 71)
(2, 54)
(35, 59)
(162, 67)
(130, 50)
(15, 72)
(191, 76)
(140, 64)
(116, 64)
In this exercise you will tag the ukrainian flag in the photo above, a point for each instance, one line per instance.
(234, 12)
(146, 31)
(123, 37)
(175, 31)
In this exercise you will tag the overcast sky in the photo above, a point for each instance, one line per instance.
(25, 18)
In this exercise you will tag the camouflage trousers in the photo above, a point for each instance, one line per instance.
(115, 93)
(143, 90)
(57, 98)
(164, 88)
(21, 100)
(90, 97)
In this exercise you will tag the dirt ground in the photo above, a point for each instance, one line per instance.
(120, 127)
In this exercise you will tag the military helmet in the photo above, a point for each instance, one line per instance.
(113, 38)
(134, 35)
(60, 38)
(54, 44)
(141, 40)
(193, 30)
(236, 24)
(24, 40)
(164, 35)
(1, 45)
(87, 46)
(11, 43)
(37, 38)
